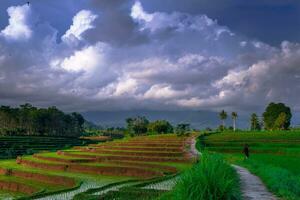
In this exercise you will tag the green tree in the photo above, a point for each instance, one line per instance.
(137, 125)
(182, 129)
(234, 116)
(272, 112)
(280, 121)
(254, 122)
(160, 126)
(29, 120)
(223, 117)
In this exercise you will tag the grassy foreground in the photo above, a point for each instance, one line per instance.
(274, 157)
(211, 179)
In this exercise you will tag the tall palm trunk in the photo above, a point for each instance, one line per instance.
(234, 124)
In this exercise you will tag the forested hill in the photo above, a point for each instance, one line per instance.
(29, 120)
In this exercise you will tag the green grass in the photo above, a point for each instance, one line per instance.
(274, 157)
(211, 179)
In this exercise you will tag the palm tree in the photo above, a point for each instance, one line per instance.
(234, 116)
(223, 117)
(254, 122)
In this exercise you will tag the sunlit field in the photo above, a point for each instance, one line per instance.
(274, 156)
(85, 172)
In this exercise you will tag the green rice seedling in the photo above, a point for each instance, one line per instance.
(279, 180)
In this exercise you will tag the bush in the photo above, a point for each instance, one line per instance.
(211, 179)
(183, 130)
(160, 127)
(221, 128)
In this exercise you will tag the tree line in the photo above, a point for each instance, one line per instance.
(141, 125)
(277, 116)
(29, 120)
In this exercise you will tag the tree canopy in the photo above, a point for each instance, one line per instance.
(29, 120)
(182, 129)
(223, 117)
(160, 126)
(280, 121)
(272, 112)
(254, 122)
(137, 125)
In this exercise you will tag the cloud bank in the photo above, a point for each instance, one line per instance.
(120, 56)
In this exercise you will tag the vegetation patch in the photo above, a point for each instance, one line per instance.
(212, 178)
(274, 157)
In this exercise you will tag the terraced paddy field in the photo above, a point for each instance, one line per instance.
(274, 157)
(13, 146)
(101, 170)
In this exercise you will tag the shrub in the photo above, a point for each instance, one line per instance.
(182, 129)
(211, 179)
(221, 128)
(160, 126)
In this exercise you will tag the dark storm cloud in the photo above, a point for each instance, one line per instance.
(114, 24)
(111, 55)
(266, 20)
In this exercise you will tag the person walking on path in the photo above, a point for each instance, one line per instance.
(246, 151)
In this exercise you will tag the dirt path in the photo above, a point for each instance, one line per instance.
(194, 150)
(252, 187)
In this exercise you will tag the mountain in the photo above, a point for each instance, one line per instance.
(197, 119)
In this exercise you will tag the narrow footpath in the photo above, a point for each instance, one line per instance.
(252, 187)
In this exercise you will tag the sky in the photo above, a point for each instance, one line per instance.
(108, 55)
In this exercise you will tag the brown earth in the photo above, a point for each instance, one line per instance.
(60, 180)
(135, 153)
(40, 165)
(17, 187)
(104, 170)
(144, 165)
(148, 144)
(37, 177)
(129, 158)
(63, 160)
(115, 171)
(98, 138)
(136, 164)
(163, 149)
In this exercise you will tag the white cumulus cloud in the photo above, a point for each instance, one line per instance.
(82, 22)
(86, 59)
(20, 21)
(159, 21)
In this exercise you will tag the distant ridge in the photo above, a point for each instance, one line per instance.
(197, 119)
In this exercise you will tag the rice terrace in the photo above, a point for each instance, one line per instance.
(149, 100)
(136, 164)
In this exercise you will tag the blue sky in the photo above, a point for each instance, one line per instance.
(124, 54)
(268, 20)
